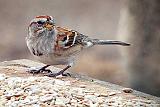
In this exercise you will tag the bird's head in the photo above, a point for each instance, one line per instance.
(41, 23)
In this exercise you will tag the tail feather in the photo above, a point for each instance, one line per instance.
(89, 42)
(108, 42)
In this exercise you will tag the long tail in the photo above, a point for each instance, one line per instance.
(108, 42)
(89, 42)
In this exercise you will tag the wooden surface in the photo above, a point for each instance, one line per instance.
(115, 94)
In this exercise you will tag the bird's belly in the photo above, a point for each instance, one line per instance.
(63, 57)
(54, 60)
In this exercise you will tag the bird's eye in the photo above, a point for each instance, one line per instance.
(40, 22)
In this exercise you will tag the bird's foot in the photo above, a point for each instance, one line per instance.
(38, 70)
(51, 74)
(57, 74)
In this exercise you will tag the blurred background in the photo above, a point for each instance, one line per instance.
(99, 19)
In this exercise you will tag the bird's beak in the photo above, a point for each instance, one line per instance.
(48, 26)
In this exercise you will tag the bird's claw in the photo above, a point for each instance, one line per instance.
(49, 72)
(33, 71)
(57, 74)
(66, 74)
(39, 70)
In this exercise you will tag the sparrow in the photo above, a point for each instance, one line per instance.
(54, 45)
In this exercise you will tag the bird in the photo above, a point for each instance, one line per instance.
(55, 45)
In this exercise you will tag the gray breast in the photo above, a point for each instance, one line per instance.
(43, 43)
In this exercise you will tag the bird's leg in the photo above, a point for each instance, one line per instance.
(42, 69)
(60, 72)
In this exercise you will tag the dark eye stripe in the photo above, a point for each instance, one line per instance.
(40, 22)
(32, 23)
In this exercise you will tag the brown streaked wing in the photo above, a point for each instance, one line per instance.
(66, 38)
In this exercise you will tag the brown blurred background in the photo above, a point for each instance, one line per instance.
(98, 19)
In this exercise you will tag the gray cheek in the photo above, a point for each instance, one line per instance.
(33, 27)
